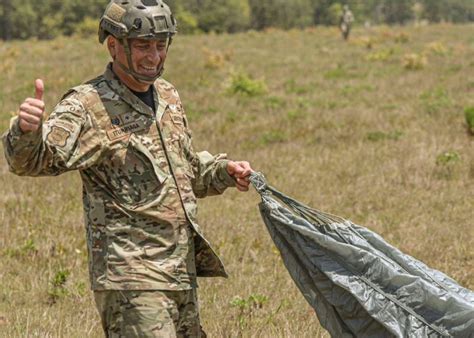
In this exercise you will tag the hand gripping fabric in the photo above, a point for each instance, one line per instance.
(359, 285)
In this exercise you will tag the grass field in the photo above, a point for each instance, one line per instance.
(372, 130)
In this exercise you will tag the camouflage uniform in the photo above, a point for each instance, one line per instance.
(346, 20)
(149, 313)
(141, 178)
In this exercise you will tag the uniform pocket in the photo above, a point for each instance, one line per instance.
(132, 173)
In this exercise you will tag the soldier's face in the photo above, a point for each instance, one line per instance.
(148, 56)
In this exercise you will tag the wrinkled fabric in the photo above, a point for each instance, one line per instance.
(150, 314)
(141, 180)
(359, 285)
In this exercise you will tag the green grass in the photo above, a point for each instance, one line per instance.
(338, 126)
(469, 115)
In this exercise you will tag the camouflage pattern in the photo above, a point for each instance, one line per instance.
(345, 24)
(141, 177)
(137, 19)
(149, 313)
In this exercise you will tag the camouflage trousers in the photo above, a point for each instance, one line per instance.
(345, 30)
(149, 313)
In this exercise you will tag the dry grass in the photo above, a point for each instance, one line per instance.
(345, 134)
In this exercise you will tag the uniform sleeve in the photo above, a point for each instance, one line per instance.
(67, 140)
(209, 171)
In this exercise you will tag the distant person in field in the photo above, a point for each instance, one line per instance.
(127, 134)
(345, 22)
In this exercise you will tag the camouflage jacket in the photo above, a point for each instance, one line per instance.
(347, 17)
(140, 176)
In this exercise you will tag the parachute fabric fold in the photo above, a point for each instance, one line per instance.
(359, 285)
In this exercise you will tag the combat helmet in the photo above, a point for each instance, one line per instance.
(137, 19)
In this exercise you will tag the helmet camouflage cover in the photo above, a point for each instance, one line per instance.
(137, 19)
(143, 19)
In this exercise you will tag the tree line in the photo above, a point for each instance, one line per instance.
(22, 19)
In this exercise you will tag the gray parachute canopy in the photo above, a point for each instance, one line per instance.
(359, 285)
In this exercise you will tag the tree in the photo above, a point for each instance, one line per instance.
(334, 13)
(223, 15)
(448, 10)
(397, 11)
(5, 19)
(22, 19)
(280, 13)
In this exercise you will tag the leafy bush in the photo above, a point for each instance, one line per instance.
(60, 278)
(334, 13)
(223, 15)
(242, 83)
(447, 158)
(281, 14)
(88, 27)
(216, 59)
(446, 164)
(57, 288)
(187, 22)
(366, 42)
(414, 61)
(437, 48)
(469, 115)
(381, 55)
(402, 38)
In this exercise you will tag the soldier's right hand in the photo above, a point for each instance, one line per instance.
(32, 109)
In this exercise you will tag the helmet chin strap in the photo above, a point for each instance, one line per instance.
(131, 71)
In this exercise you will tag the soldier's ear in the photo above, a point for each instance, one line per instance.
(112, 46)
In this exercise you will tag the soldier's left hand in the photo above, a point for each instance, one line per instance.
(240, 171)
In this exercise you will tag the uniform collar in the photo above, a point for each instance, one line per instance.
(131, 99)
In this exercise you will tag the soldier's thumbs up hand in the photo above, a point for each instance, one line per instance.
(39, 89)
(32, 109)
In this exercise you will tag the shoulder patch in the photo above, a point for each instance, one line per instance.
(58, 136)
(69, 105)
(65, 125)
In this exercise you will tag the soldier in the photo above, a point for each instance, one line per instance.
(127, 134)
(345, 22)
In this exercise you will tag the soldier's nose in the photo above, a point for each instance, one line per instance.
(153, 56)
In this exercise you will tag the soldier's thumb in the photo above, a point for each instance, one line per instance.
(39, 89)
